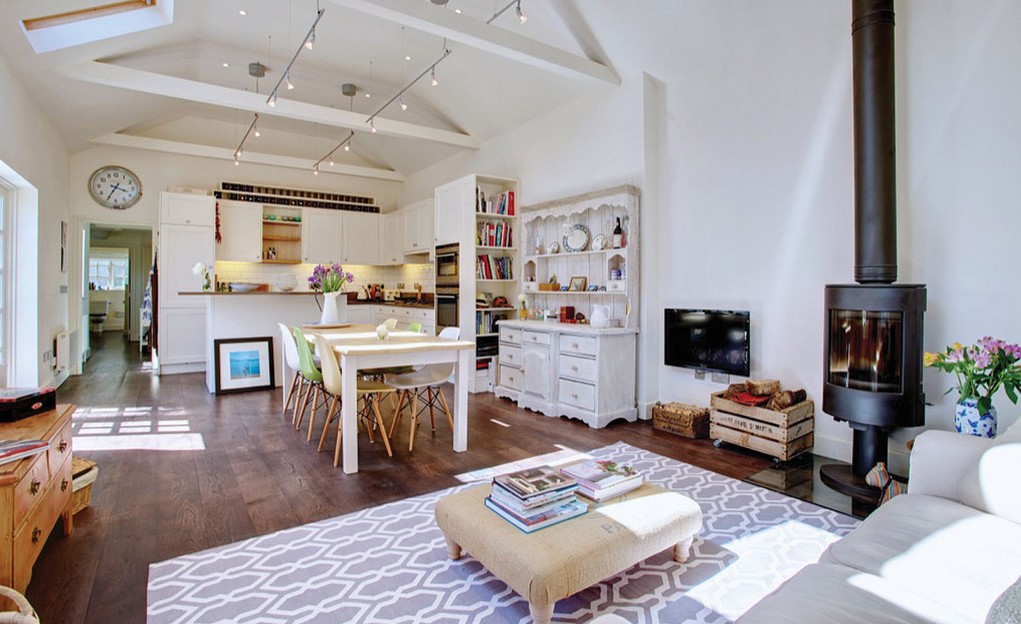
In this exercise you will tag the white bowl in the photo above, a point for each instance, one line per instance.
(243, 287)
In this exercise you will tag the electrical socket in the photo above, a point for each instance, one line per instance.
(721, 378)
(47, 355)
(699, 373)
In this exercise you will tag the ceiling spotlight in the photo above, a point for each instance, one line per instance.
(347, 147)
(433, 73)
(407, 57)
(311, 39)
(315, 170)
(404, 105)
(226, 64)
(372, 125)
(257, 133)
(331, 162)
(287, 79)
(521, 14)
(458, 11)
(272, 99)
(242, 12)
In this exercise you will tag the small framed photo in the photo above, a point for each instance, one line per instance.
(592, 288)
(578, 284)
(243, 364)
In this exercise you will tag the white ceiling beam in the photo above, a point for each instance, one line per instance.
(97, 72)
(223, 153)
(427, 17)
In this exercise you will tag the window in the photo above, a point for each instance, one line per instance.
(108, 269)
(6, 205)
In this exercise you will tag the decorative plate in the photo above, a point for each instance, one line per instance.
(599, 242)
(576, 238)
(553, 248)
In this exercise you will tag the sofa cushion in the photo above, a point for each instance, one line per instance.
(825, 593)
(991, 484)
(1007, 608)
(940, 550)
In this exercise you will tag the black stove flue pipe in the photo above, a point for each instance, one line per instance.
(875, 170)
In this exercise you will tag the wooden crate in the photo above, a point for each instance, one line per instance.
(783, 434)
(84, 474)
(689, 421)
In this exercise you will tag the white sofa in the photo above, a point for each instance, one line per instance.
(943, 553)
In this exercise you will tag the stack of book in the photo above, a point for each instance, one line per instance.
(602, 479)
(13, 450)
(535, 498)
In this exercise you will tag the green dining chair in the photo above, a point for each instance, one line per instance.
(311, 372)
(415, 326)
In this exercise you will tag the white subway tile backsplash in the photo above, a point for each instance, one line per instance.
(276, 274)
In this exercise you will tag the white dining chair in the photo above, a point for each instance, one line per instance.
(291, 357)
(425, 381)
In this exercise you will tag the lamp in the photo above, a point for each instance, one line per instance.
(251, 128)
(399, 96)
(272, 99)
(345, 144)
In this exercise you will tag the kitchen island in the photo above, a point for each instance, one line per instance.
(253, 315)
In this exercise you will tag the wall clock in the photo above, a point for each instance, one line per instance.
(115, 187)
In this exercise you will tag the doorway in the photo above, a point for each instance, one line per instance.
(115, 266)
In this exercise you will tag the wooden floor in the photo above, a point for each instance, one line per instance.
(249, 472)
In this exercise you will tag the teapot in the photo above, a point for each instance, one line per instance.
(600, 316)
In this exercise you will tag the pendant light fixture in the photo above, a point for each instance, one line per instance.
(310, 36)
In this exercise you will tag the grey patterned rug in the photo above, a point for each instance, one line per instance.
(388, 565)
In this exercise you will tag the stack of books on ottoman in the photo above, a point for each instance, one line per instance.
(535, 498)
(603, 479)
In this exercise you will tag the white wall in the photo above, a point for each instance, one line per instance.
(752, 176)
(36, 160)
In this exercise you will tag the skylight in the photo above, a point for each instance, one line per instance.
(65, 30)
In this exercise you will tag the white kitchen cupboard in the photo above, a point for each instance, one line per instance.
(418, 227)
(454, 203)
(563, 369)
(406, 315)
(321, 235)
(391, 239)
(186, 236)
(359, 314)
(240, 232)
(360, 235)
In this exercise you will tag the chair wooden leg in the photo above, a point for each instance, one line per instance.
(414, 420)
(312, 418)
(366, 415)
(304, 405)
(432, 415)
(397, 412)
(312, 414)
(326, 425)
(290, 391)
(382, 429)
(446, 408)
(299, 400)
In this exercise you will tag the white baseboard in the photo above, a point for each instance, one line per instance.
(645, 410)
(56, 380)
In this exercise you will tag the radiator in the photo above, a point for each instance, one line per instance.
(61, 351)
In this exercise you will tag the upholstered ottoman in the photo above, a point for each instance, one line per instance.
(560, 560)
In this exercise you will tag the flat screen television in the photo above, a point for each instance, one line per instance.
(713, 340)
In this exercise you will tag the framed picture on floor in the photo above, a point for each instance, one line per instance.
(243, 364)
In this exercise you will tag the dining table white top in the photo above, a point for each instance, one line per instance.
(361, 339)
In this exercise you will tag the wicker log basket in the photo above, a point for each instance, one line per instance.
(25, 614)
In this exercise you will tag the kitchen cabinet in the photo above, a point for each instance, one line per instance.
(360, 233)
(391, 231)
(418, 227)
(536, 369)
(240, 232)
(453, 202)
(186, 238)
(359, 314)
(406, 315)
(321, 236)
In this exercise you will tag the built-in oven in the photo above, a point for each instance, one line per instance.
(446, 265)
(446, 307)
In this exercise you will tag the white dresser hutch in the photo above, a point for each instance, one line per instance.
(574, 369)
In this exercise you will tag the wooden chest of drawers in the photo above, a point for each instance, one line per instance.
(34, 492)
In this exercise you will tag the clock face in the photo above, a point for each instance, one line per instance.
(115, 187)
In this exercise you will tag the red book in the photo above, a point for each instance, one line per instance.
(13, 450)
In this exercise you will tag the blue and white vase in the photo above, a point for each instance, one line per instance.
(968, 419)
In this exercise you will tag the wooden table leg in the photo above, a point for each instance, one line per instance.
(453, 548)
(541, 614)
(683, 549)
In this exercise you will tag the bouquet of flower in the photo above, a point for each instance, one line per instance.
(523, 300)
(981, 369)
(331, 278)
(201, 269)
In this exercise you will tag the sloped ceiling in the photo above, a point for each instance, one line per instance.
(496, 76)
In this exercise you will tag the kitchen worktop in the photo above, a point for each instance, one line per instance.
(426, 304)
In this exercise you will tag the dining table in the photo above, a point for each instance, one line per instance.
(359, 347)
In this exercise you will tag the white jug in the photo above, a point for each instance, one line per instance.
(600, 316)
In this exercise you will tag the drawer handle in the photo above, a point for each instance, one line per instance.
(510, 357)
(34, 487)
(36, 534)
(574, 368)
(574, 344)
(574, 395)
(63, 485)
(62, 446)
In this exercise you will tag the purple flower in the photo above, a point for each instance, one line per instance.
(983, 359)
(956, 355)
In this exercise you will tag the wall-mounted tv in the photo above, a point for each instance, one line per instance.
(713, 340)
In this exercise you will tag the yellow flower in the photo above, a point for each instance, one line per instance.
(956, 346)
(930, 358)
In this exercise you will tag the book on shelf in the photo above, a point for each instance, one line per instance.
(499, 203)
(494, 234)
(603, 479)
(13, 450)
(534, 481)
(489, 267)
(558, 513)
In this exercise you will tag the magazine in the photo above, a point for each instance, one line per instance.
(13, 450)
(534, 481)
(571, 509)
(598, 473)
(533, 505)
